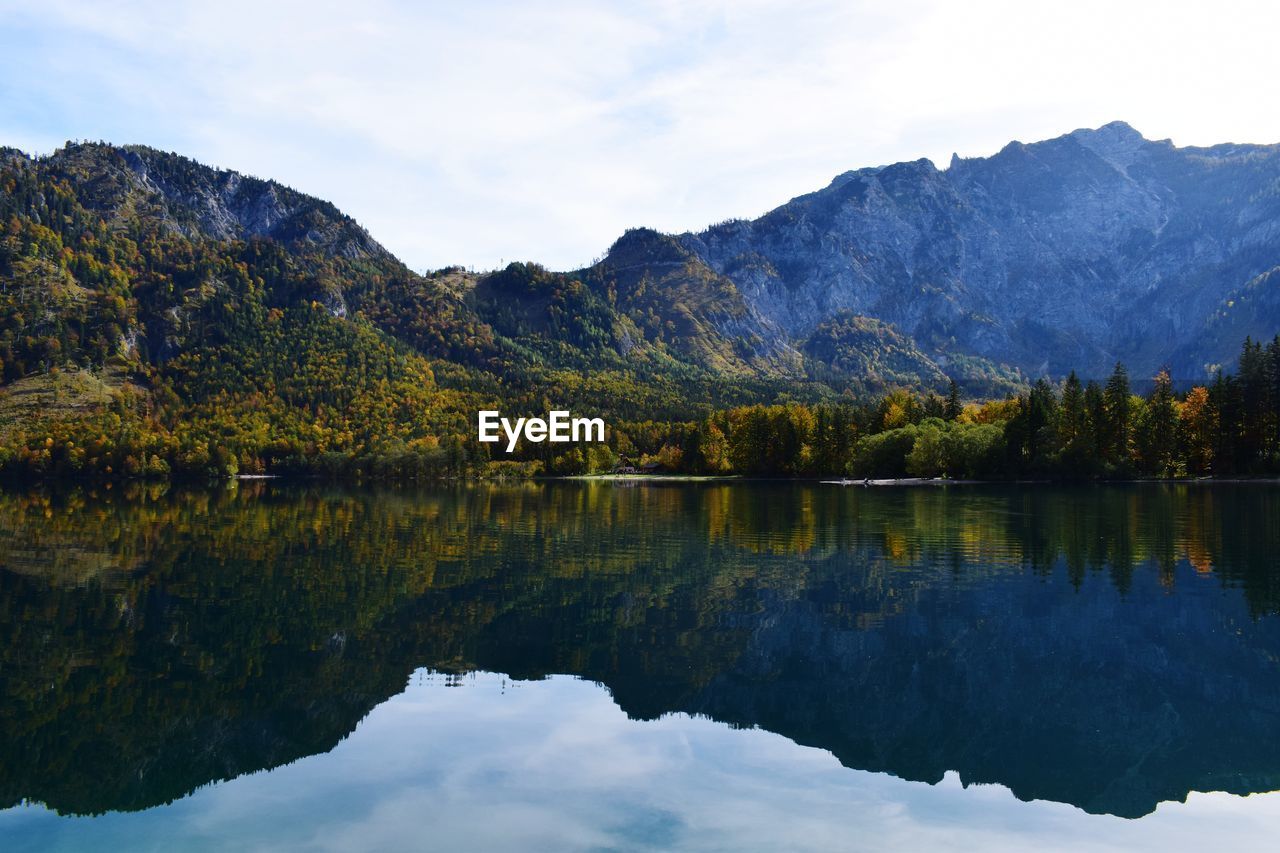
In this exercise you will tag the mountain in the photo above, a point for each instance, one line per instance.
(166, 315)
(178, 195)
(1061, 255)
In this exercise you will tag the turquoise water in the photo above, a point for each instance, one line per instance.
(594, 666)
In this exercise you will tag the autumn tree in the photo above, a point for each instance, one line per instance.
(1198, 429)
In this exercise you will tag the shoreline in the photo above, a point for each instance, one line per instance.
(670, 478)
(8, 484)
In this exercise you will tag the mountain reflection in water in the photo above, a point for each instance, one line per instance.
(1106, 647)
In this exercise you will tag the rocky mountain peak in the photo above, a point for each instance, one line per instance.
(198, 200)
(1117, 143)
(1064, 254)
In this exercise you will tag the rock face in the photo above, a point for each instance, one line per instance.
(199, 201)
(1059, 255)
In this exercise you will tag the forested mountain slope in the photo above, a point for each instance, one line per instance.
(164, 314)
(158, 314)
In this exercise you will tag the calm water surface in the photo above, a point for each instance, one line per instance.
(601, 666)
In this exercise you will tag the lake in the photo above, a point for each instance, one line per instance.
(640, 666)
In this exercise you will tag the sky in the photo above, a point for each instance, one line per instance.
(477, 133)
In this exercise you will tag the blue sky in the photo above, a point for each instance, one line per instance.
(483, 132)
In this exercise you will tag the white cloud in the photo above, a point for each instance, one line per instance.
(480, 132)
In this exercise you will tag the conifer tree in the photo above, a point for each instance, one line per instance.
(1255, 405)
(954, 406)
(1117, 426)
(1073, 420)
(1157, 434)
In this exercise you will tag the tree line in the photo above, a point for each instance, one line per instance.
(1062, 431)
